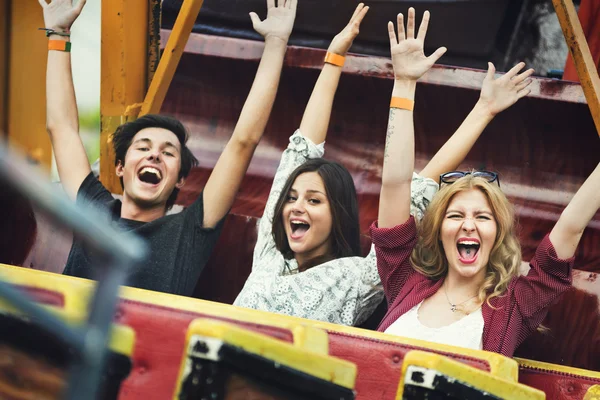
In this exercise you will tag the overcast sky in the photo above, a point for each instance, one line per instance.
(86, 56)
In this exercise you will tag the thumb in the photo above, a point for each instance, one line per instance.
(255, 20)
(491, 71)
(437, 55)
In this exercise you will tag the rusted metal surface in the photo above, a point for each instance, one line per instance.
(154, 20)
(171, 56)
(4, 16)
(580, 51)
(378, 67)
(123, 74)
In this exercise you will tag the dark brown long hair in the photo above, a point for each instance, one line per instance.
(341, 194)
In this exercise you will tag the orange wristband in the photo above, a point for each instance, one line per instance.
(402, 103)
(59, 45)
(335, 59)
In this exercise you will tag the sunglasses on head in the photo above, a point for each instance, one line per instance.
(451, 177)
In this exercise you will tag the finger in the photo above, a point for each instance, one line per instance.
(523, 85)
(410, 25)
(423, 28)
(491, 71)
(521, 77)
(515, 70)
(80, 6)
(437, 55)
(43, 3)
(357, 11)
(401, 34)
(293, 5)
(523, 93)
(255, 19)
(270, 4)
(392, 33)
(361, 15)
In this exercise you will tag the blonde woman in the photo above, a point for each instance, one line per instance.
(455, 279)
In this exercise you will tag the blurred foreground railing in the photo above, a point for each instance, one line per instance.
(121, 251)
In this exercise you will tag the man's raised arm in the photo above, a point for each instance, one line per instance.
(62, 119)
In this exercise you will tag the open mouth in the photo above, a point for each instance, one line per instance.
(299, 228)
(468, 249)
(150, 175)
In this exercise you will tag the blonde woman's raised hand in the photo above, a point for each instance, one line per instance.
(499, 94)
(408, 56)
(279, 22)
(342, 42)
(60, 14)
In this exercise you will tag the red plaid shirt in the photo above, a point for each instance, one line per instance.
(517, 314)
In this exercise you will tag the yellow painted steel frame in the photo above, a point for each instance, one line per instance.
(337, 371)
(26, 102)
(122, 338)
(171, 56)
(577, 44)
(474, 377)
(124, 60)
(129, 53)
(4, 17)
(77, 291)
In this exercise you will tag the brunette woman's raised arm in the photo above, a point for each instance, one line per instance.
(315, 120)
(410, 63)
(583, 206)
(496, 96)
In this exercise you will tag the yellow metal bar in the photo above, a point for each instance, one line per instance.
(322, 366)
(76, 292)
(123, 73)
(171, 56)
(428, 363)
(26, 122)
(4, 15)
(586, 68)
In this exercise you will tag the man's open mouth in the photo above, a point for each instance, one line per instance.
(468, 249)
(298, 228)
(150, 175)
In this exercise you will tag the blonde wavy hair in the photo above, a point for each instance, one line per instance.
(430, 259)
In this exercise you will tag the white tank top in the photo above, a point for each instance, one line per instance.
(466, 332)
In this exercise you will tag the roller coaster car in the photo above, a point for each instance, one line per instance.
(35, 363)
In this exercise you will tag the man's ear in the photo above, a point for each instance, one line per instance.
(180, 183)
(119, 169)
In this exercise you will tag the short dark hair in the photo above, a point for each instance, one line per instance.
(341, 194)
(124, 134)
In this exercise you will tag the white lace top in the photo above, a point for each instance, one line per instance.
(342, 291)
(466, 332)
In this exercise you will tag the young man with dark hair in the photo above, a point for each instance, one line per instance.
(152, 160)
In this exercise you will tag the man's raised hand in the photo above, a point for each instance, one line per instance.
(60, 14)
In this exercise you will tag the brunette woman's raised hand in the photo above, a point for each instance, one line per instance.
(315, 119)
(342, 42)
(279, 22)
(60, 14)
(497, 94)
(408, 56)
